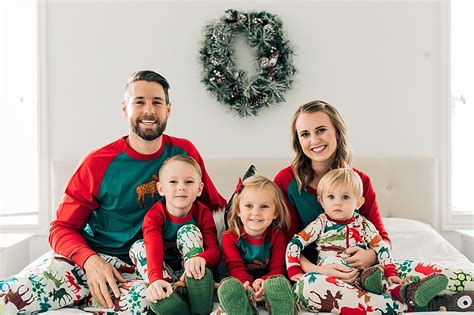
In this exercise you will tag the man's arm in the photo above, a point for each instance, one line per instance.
(74, 210)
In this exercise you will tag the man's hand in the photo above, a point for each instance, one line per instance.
(100, 276)
(158, 290)
(194, 268)
(360, 258)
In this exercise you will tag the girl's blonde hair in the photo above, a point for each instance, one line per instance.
(282, 220)
(341, 176)
(301, 164)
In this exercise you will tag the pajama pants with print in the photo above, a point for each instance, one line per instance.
(57, 282)
(316, 292)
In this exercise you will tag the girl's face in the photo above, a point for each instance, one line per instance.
(317, 136)
(256, 210)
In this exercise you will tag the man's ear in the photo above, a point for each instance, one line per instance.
(201, 186)
(319, 199)
(360, 202)
(168, 109)
(124, 108)
(159, 187)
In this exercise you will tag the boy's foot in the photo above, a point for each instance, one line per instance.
(173, 304)
(233, 299)
(279, 295)
(457, 302)
(200, 293)
(371, 279)
(421, 292)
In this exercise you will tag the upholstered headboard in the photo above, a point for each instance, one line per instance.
(406, 187)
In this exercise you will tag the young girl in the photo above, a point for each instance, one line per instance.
(340, 228)
(180, 238)
(254, 250)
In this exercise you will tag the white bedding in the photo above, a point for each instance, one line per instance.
(416, 240)
(410, 240)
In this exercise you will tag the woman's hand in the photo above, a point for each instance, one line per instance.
(158, 290)
(308, 266)
(344, 273)
(360, 258)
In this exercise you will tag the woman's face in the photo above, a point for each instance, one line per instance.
(317, 137)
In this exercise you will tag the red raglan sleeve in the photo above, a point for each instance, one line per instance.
(212, 253)
(282, 180)
(370, 208)
(74, 210)
(210, 196)
(233, 260)
(277, 258)
(153, 239)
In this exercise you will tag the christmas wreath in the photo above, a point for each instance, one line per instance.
(246, 95)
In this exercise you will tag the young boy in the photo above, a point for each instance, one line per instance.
(338, 228)
(179, 235)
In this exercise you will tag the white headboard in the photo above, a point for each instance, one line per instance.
(406, 187)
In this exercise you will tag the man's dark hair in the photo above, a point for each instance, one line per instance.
(149, 76)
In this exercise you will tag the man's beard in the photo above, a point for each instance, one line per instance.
(149, 134)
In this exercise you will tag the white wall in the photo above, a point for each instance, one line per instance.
(379, 62)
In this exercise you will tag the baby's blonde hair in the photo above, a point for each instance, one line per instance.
(341, 176)
(282, 220)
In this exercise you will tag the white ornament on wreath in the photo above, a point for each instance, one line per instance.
(245, 94)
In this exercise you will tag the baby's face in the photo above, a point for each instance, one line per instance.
(339, 202)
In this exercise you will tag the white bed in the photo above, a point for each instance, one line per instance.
(407, 193)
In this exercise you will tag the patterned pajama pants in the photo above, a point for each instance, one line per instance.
(189, 242)
(318, 293)
(57, 282)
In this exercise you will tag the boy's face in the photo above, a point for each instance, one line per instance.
(180, 184)
(339, 202)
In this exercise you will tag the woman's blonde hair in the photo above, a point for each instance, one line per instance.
(341, 176)
(301, 164)
(282, 220)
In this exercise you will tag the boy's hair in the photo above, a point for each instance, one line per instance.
(341, 176)
(282, 220)
(301, 164)
(182, 158)
(149, 76)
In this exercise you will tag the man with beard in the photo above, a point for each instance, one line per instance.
(101, 212)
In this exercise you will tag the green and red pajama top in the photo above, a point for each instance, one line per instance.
(333, 237)
(304, 206)
(248, 259)
(107, 197)
(160, 226)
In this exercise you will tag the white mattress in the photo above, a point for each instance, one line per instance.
(410, 240)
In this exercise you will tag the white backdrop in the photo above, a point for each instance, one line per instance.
(381, 63)
(378, 62)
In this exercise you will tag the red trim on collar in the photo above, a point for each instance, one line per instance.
(139, 156)
(254, 241)
(180, 220)
(342, 222)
